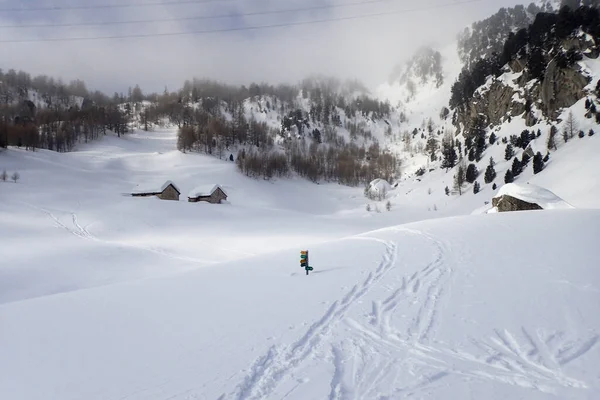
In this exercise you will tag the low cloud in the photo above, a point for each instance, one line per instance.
(366, 49)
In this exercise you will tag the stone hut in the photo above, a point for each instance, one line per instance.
(213, 194)
(525, 197)
(506, 203)
(166, 191)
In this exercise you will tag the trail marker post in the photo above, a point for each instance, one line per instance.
(304, 261)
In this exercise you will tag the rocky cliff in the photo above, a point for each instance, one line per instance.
(538, 74)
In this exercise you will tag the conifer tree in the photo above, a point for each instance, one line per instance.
(476, 187)
(551, 144)
(450, 157)
(516, 167)
(471, 173)
(508, 177)
(509, 152)
(490, 172)
(459, 178)
(538, 163)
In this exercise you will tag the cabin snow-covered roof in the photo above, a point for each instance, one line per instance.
(154, 187)
(533, 194)
(379, 186)
(205, 190)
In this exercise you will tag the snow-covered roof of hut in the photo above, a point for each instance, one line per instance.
(154, 187)
(205, 190)
(379, 185)
(533, 194)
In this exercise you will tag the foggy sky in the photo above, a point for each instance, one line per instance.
(366, 49)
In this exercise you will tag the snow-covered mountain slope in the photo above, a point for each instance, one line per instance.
(73, 204)
(107, 296)
(491, 306)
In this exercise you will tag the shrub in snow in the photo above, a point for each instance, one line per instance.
(547, 157)
(476, 187)
(581, 134)
(15, 177)
(368, 208)
(447, 191)
(420, 172)
(591, 132)
(4, 176)
(494, 187)
(388, 206)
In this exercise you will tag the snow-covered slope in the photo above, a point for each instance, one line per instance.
(494, 306)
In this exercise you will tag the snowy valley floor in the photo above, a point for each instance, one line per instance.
(107, 297)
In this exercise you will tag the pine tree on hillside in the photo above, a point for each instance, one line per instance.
(447, 191)
(508, 177)
(471, 173)
(571, 125)
(551, 143)
(471, 155)
(538, 163)
(494, 186)
(476, 187)
(432, 147)
(490, 172)
(509, 152)
(516, 168)
(525, 160)
(459, 178)
(450, 157)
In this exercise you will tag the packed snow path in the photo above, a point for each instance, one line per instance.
(493, 306)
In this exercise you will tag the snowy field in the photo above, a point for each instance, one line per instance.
(105, 296)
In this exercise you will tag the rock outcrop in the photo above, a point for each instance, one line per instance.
(508, 203)
(561, 87)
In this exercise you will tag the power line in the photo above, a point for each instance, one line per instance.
(246, 28)
(105, 6)
(201, 17)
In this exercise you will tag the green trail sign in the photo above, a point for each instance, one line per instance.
(304, 261)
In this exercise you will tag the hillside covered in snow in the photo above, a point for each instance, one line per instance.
(151, 244)
(126, 297)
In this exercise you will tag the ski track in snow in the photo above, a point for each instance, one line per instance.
(403, 356)
(384, 356)
(526, 362)
(82, 232)
(266, 372)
